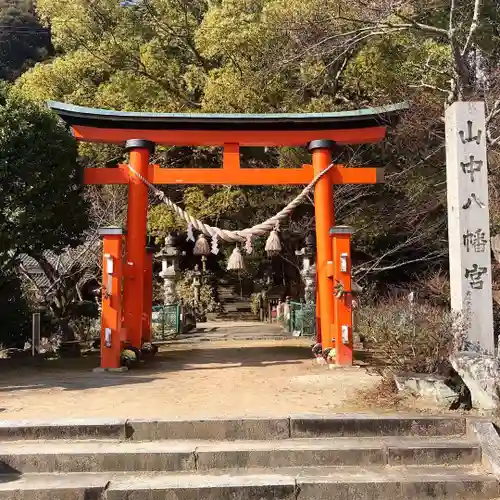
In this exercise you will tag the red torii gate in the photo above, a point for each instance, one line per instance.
(140, 132)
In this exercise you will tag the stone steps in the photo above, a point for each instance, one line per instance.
(104, 456)
(231, 429)
(333, 483)
(359, 457)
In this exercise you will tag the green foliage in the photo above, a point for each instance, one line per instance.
(185, 291)
(14, 312)
(41, 207)
(255, 302)
(23, 41)
(126, 58)
(399, 61)
(162, 220)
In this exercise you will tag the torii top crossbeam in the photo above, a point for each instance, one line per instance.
(230, 131)
(201, 129)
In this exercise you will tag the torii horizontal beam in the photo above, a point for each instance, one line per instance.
(231, 173)
(238, 176)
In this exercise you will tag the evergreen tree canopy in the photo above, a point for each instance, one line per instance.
(23, 40)
(41, 207)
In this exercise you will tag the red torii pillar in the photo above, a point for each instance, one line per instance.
(342, 277)
(147, 335)
(324, 211)
(136, 271)
(111, 309)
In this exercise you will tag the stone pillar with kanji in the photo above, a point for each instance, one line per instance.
(469, 223)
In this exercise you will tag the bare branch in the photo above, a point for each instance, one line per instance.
(430, 256)
(495, 110)
(427, 66)
(429, 86)
(494, 142)
(473, 26)
(451, 29)
(421, 26)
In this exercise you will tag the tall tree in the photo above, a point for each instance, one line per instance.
(23, 40)
(41, 206)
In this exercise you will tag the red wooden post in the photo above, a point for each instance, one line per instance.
(148, 296)
(133, 292)
(111, 297)
(324, 214)
(318, 319)
(342, 281)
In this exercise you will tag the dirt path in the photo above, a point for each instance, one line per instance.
(228, 378)
(192, 380)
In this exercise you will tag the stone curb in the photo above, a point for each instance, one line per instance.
(246, 428)
(63, 429)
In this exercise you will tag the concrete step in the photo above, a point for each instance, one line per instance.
(309, 426)
(53, 487)
(333, 483)
(103, 456)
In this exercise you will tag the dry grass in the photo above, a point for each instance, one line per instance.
(384, 394)
(415, 337)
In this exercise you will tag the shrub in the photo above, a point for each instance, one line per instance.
(15, 328)
(416, 337)
(185, 291)
(255, 303)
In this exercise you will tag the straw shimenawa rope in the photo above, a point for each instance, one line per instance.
(244, 234)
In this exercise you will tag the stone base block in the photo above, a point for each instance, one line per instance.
(425, 386)
(481, 374)
(110, 370)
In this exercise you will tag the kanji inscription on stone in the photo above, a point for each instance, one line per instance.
(469, 137)
(474, 276)
(475, 199)
(475, 241)
(468, 221)
(471, 167)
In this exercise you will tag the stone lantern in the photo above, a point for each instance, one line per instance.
(196, 285)
(309, 277)
(170, 257)
(308, 271)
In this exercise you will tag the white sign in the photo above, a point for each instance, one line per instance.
(35, 337)
(469, 221)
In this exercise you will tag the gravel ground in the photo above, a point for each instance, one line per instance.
(224, 369)
(202, 379)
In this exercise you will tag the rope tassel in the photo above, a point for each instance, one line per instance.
(273, 243)
(248, 245)
(236, 262)
(201, 247)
